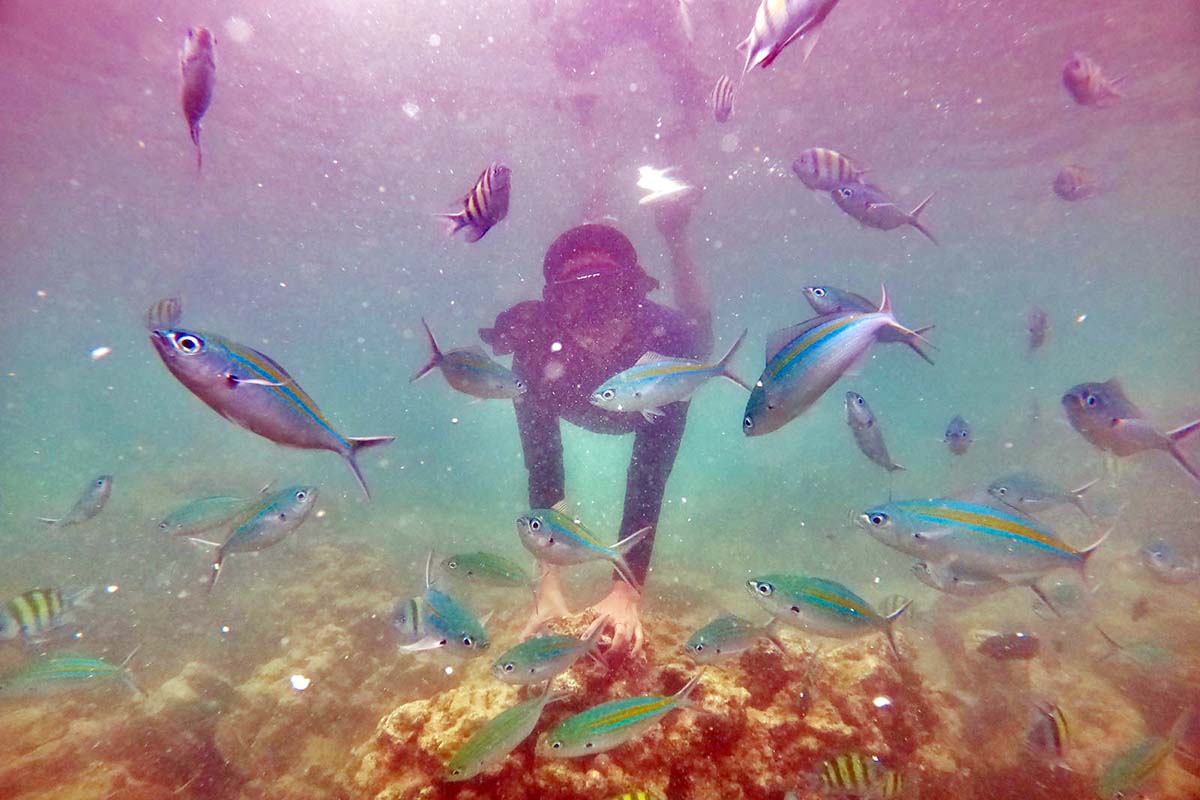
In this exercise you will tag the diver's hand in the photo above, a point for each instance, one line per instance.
(672, 214)
(548, 601)
(620, 610)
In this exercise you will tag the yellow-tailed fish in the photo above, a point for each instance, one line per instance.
(778, 23)
(728, 636)
(250, 389)
(483, 206)
(611, 724)
(34, 614)
(497, 738)
(722, 99)
(470, 371)
(94, 497)
(545, 657)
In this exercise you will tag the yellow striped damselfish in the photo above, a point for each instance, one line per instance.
(859, 776)
(37, 612)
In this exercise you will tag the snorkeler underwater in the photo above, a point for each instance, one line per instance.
(599, 400)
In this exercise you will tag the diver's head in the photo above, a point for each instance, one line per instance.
(592, 275)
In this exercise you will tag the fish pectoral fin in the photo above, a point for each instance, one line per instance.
(427, 643)
(808, 43)
(236, 380)
(651, 414)
(873, 206)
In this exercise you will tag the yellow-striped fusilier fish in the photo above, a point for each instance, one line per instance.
(470, 371)
(266, 523)
(95, 496)
(778, 23)
(656, 380)
(198, 71)
(831, 300)
(722, 99)
(611, 724)
(250, 389)
(555, 537)
(543, 658)
(437, 620)
(498, 737)
(728, 636)
(823, 170)
(61, 672)
(805, 360)
(1086, 83)
(34, 614)
(1137, 765)
(484, 206)
(975, 538)
(823, 607)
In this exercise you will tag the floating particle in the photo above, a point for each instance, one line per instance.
(300, 682)
(411, 109)
(112, 588)
(238, 29)
(100, 352)
(435, 40)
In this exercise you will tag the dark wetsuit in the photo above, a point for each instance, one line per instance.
(560, 385)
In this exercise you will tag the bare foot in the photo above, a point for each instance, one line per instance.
(548, 600)
(620, 610)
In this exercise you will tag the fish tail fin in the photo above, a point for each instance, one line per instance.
(745, 45)
(435, 356)
(807, 42)
(885, 303)
(915, 221)
(475, 233)
(1077, 498)
(621, 548)
(723, 364)
(897, 605)
(593, 645)
(684, 696)
(358, 443)
(454, 222)
(81, 598)
(911, 338)
(1177, 435)
(1183, 462)
(1041, 595)
(771, 633)
(1086, 554)
(1183, 431)
(216, 569)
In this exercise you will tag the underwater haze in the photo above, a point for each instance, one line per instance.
(338, 131)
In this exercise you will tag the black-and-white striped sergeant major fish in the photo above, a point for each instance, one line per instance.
(470, 371)
(823, 170)
(90, 503)
(855, 775)
(34, 614)
(868, 435)
(266, 523)
(1048, 735)
(831, 300)
(722, 99)
(484, 206)
(198, 71)
(249, 389)
(1087, 84)
(778, 23)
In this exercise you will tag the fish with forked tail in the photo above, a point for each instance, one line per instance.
(867, 432)
(556, 537)
(484, 206)
(874, 208)
(89, 504)
(778, 23)
(265, 524)
(470, 371)
(198, 70)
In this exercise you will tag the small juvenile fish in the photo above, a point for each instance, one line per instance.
(656, 380)
(867, 432)
(202, 514)
(958, 435)
(470, 371)
(1015, 646)
(198, 70)
(89, 504)
(249, 389)
(60, 672)
(266, 523)
(1137, 765)
(1167, 565)
(1048, 735)
(829, 300)
(1074, 182)
(823, 607)
(975, 538)
(556, 538)
(611, 724)
(778, 23)
(488, 568)
(34, 614)
(951, 579)
(823, 170)
(543, 658)
(1031, 494)
(722, 99)
(1037, 324)
(1105, 416)
(727, 636)
(497, 738)
(484, 206)
(1086, 83)
(803, 361)
(859, 776)
(871, 206)
(437, 620)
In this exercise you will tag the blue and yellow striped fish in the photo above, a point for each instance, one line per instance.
(60, 672)
(543, 658)
(722, 99)
(35, 613)
(470, 371)
(977, 538)
(555, 537)
(484, 206)
(250, 389)
(438, 620)
(610, 724)
(266, 523)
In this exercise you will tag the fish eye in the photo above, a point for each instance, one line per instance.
(520, 384)
(765, 589)
(699, 648)
(100, 482)
(608, 394)
(1002, 490)
(535, 524)
(556, 745)
(747, 423)
(859, 400)
(468, 641)
(189, 344)
(456, 772)
(1090, 399)
(963, 434)
(795, 609)
(818, 292)
(301, 495)
(509, 667)
(877, 519)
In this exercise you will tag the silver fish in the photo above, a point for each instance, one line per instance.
(867, 432)
(1167, 565)
(470, 371)
(1105, 416)
(89, 504)
(198, 70)
(871, 206)
(1074, 182)
(958, 435)
(438, 620)
(830, 300)
(727, 636)
(1031, 494)
(778, 23)
(952, 579)
(266, 523)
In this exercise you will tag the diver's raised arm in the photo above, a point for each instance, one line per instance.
(671, 217)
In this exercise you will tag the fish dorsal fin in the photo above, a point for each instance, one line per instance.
(475, 351)
(777, 340)
(885, 304)
(1114, 383)
(650, 357)
(562, 507)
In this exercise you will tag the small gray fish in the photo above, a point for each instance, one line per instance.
(727, 636)
(953, 579)
(958, 435)
(470, 371)
(830, 300)
(1037, 323)
(1106, 417)
(87, 506)
(1074, 182)
(871, 206)
(198, 70)
(1167, 565)
(1030, 493)
(266, 523)
(867, 432)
